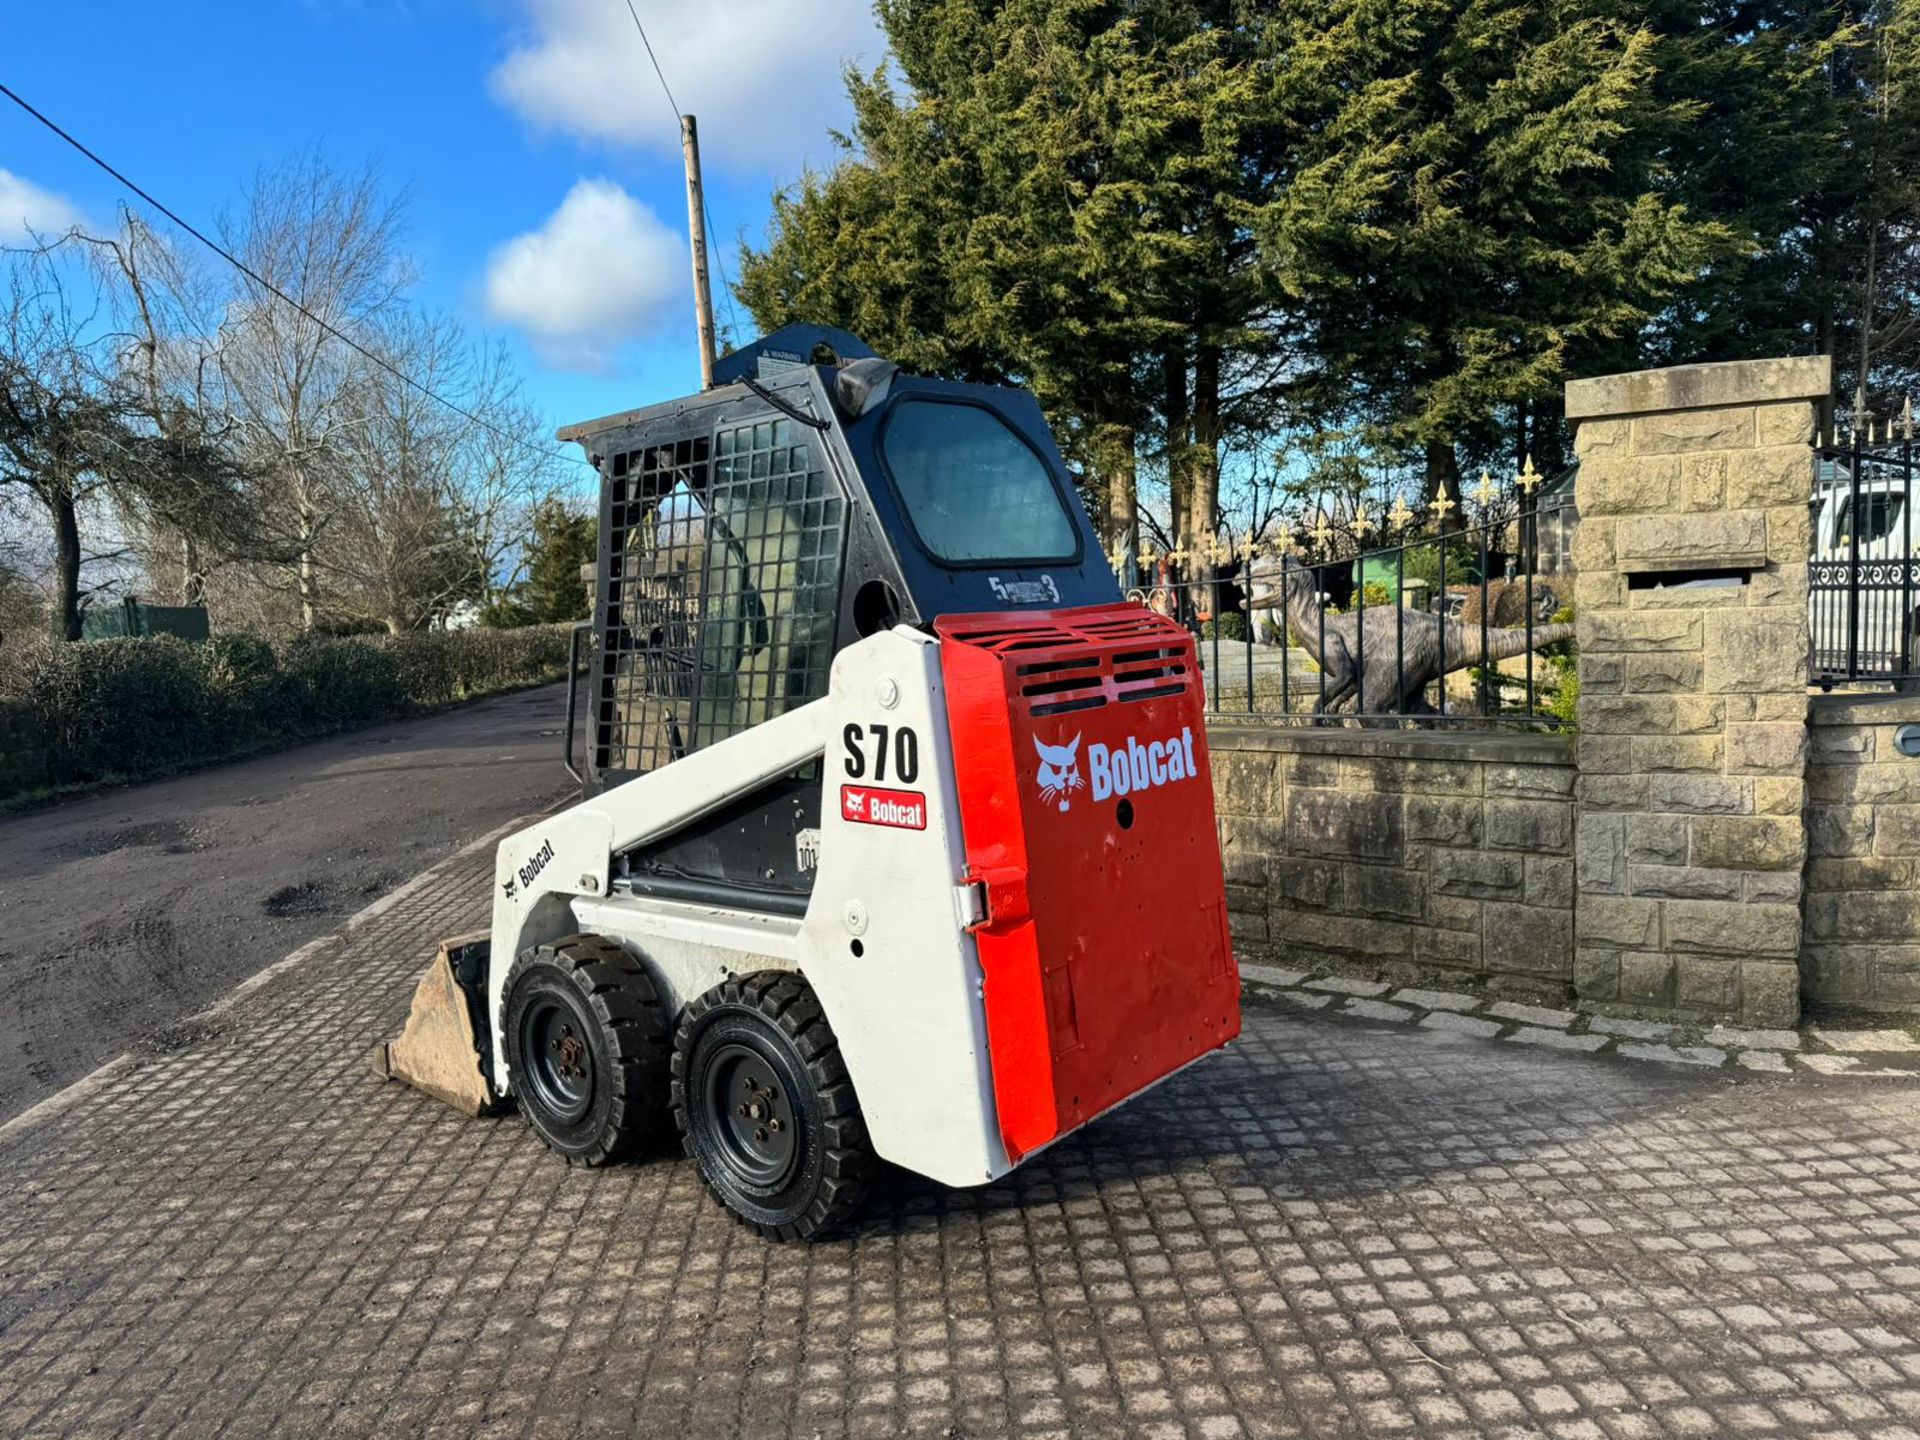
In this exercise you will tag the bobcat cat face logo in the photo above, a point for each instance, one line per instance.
(1059, 770)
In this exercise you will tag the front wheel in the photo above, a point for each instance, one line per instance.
(586, 1048)
(765, 1106)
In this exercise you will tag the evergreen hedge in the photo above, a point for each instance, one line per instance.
(131, 709)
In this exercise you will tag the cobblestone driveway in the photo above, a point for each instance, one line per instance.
(1336, 1229)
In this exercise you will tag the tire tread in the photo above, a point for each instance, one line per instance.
(622, 997)
(788, 1003)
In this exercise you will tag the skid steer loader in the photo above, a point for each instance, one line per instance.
(896, 836)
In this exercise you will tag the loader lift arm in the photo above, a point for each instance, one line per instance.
(445, 1049)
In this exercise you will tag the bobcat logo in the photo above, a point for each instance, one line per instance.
(1059, 770)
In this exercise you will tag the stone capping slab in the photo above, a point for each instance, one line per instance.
(1675, 1054)
(1273, 975)
(1437, 999)
(1344, 985)
(1754, 1039)
(1377, 1010)
(1555, 1039)
(1830, 1064)
(1700, 387)
(1631, 1029)
(1533, 1014)
(1865, 710)
(1253, 732)
(1461, 1024)
(1858, 1042)
(1490, 1018)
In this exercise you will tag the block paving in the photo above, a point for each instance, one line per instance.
(1338, 1227)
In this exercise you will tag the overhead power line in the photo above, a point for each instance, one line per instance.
(656, 63)
(265, 284)
(726, 285)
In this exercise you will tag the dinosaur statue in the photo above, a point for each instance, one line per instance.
(1508, 600)
(1390, 663)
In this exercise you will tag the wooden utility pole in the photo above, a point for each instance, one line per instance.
(697, 232)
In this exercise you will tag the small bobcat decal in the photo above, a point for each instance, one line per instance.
(1059, 770)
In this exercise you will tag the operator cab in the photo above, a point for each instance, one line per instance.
(814, 495)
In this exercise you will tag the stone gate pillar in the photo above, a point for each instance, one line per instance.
(1691, 613)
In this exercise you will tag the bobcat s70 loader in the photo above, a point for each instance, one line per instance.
(896, 838)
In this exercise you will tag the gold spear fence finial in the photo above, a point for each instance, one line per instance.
(1361, 522)
(1483, 493)
(1399, 516)
(1443, 503)
(1528, 477)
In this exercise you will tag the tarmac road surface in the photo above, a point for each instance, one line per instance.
(125, 912)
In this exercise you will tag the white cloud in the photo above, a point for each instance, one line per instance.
(26, 209)
(763, 76)
(602, 270)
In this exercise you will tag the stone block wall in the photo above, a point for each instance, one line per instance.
(1861, 944)
(1692, 612)
(1711, 846)
(1403, 852)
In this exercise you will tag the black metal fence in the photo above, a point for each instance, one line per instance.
(1445, 627)
(1863, 605)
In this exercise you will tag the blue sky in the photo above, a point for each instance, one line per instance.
(539, 155)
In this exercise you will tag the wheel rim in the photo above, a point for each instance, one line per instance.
(553, 1043)
(750, 1111)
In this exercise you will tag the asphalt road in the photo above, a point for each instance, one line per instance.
(123, 913)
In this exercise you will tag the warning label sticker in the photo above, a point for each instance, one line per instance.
(867, 805)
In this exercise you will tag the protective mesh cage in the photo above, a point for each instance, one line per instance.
(722, 579)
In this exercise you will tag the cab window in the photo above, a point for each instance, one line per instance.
(973, 489)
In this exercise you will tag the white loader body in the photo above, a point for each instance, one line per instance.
(896, 838)
(884, 942)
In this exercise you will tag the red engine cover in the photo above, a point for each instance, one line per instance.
(1087, 808)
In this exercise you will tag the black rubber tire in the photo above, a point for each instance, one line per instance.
(774, 1016)
(594, 988)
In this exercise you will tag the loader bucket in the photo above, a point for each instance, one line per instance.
(442, 1048)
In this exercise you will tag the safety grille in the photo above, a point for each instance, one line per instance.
(721, 584)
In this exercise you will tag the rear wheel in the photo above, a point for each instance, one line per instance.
(764, 1104)
(587, 1048)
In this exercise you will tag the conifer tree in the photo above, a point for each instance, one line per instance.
(1403, 223)
(1478, 207)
